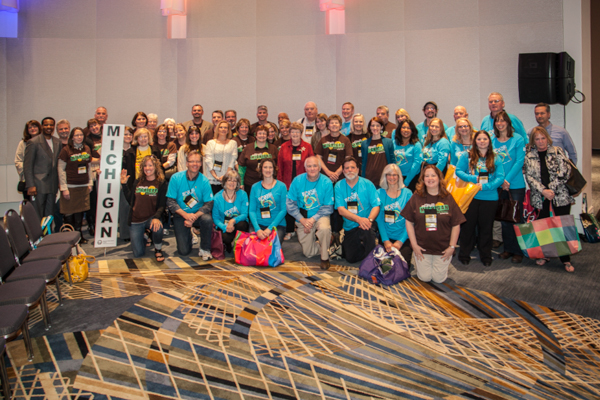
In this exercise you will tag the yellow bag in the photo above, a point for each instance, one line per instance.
(79, 267)
(462, 192)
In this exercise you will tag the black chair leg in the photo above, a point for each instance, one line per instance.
(57, 282)
(4, 377)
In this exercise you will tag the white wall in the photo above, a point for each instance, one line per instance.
(73, 55)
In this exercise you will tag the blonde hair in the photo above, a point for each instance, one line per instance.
(142, 131)
(389, 169)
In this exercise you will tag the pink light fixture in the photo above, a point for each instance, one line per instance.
(335, 16)
(176, 13)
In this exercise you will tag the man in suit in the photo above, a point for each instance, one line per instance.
(41, 168)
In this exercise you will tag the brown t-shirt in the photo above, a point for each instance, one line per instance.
(208, 135)
(447, 215)
(241, 144)
(376, 161)
(165, 150)
(251, 157)
(388, 129)
(356, 141)
(97, 141)
(78, 164)
(334, 151)
(146, 198)
(279, 142)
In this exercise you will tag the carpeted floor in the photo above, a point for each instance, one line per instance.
(220, 331)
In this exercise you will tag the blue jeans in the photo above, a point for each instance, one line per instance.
(138, 243)
(183, 235)
(509, 237)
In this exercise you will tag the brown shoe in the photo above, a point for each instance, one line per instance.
(517, 259)
(505, 255)
(325, 264)
(496, 243)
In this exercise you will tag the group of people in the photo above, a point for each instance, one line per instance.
(339, 183)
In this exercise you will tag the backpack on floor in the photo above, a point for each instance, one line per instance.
(384, 268)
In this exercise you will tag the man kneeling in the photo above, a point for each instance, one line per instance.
(190, 199)
(357, 202)
(310, 202)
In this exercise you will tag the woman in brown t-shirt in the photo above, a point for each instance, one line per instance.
(75, 179)
(251, 157)
(147, 202)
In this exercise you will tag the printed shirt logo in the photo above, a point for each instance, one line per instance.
(97, 146)
(440, 207)
(232, 212)
(80, 157)
(502, 152)
(267, 200)
(400, 155)
(260, 156)
(146, 190)
(377, 149)
(164, 152)
(427, 152)
(358, 143)
(310, 198)
(334, 146)
(481, 165)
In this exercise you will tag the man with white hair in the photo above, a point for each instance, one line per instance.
(309, 120)
(310, 201)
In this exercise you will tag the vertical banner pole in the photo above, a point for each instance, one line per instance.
(109, 186)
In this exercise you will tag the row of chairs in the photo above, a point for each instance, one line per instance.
(28, 263)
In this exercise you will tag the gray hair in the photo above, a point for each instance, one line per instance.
(232, 175)
(389, 169)
(153, 116)
(167, 120)
(62, 122)
(316, 159)
(384, 108)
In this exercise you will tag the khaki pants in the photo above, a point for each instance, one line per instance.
(309, 244)
(497, 231)
(432, 268)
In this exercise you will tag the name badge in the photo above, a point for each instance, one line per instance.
(389, 216)
(309, 131)
(331, 158)
(483, 177)
(296, 155)
(82, 170)
(265, 212)
(190, 201)
(218, 165)
(359, 153)
(431, 220)
(353, 207)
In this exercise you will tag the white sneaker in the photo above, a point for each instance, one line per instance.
(165, 232)
(205, 254)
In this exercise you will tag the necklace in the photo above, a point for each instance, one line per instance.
(230, 199)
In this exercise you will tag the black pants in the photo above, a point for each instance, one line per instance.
(290, 224)
(90, 215)
(74, 220)
(413, 184)
(216, 188)
(545, 213)
(337, 223)
(480, 215)
(358, 243)
(228, 237)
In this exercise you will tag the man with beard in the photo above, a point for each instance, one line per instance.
(231, 117)
(63, 128)
(262, 113)
(202, 125)
(430, 110)
(40, 167)
(357, 202)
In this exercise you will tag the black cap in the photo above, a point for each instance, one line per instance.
(432, 103)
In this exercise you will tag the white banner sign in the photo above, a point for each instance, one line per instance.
(109, 186)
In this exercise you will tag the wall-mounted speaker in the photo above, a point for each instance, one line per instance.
(546, 78)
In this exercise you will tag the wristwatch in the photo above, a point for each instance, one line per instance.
(371, 220)
(454, 247)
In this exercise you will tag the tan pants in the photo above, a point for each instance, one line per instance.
(432, 268)
(497, 231)
(309, 244)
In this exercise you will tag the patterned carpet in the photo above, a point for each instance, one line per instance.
(221, 331)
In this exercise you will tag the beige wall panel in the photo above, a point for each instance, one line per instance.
(207, 75)
(131, 19)
(136, 75)
(291, 70)
(440, 14)
(369, 73)
(289, 18)
(494, 12)
(12, 179)
(57, 19)
(48, 77)
(219, 18)
(439, 73)
(4, 158)
(3, 192)
(374, 16)
(499, 60)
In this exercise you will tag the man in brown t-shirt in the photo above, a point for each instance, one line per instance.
(383, 112)
(333, 149)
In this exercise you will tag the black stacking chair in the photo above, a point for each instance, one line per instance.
(22, 249)
(31, 292)
(13, 319)
(48, 270)
(3, 373)
(33, 229)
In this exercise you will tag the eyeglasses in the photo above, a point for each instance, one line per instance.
(463, 126)
(493, 101)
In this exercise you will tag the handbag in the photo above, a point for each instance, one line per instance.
(384, 268)
(549, 237)
(576, 181)
(462, 192)
(216, 245)
(530, 213)
(508, 210)
(79, 267)
(252, 251)
(590, 225)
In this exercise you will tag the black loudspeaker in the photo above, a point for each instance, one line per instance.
(537, 78)
(546, 78)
